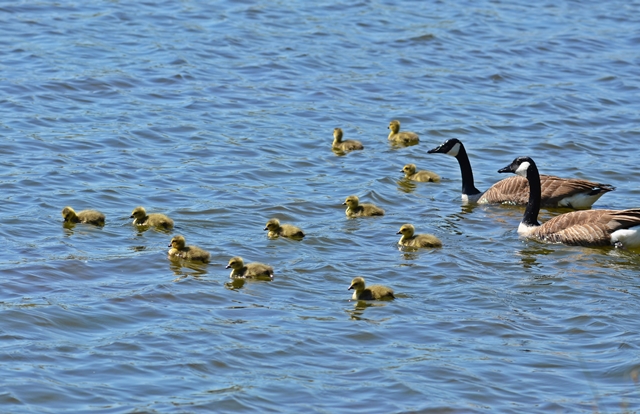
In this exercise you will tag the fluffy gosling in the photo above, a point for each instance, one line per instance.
(84, 216)
(422, 176)
(409, 239)
(347, 145)
(141, 218)
(180, 250)
(374, 292)
(250, 270)
(404, 137)
(355, 209)
(285, 230)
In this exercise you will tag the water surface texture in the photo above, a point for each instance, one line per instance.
(221, 114)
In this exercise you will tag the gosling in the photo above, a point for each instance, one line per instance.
(408, 239)
(422, 176)
(285, 230)
(406, 138)
(85, 216)
(355, 209)
(375, 292)
(347, 145)
(250, 270)
(141, 218)
(179, 250)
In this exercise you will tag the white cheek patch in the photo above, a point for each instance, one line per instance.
(522, 169)
(454, 151)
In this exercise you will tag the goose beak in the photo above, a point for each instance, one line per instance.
(435, 150)
(506, 169)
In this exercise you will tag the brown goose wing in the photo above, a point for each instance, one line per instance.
(555, 189)
(511, 190)
(580, 228)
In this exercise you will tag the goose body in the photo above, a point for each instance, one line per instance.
(619, 228)
(141, 218)
(355, 209)
(409, 239)
(285, 230)
(556, 192)
(404, 137)
(424, 176)
(346, 145)
(85, 216)
(250, 270)
(374, 292)
(179, 250)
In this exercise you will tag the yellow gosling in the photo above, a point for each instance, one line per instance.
(250, 270)
(409, 239)
(423, 176)
(141, 218)
(405, 137)
(374, 292)
(84, 216)
(179, 250)
(347, 145)
(285, 230)
(355, 209)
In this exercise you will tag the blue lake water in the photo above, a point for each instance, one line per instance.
(220, 115)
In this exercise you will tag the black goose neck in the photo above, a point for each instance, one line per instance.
(535, 196)
(468, 186)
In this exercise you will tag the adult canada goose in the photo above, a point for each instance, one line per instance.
(180, 250)
(141, 218)
(424, 176)
(620, 228)
(404, 137)
(347, 145)
(250, 270)
(375, 292)
(409, 239)
(556, 191)
(85, 216)
(355, 209)
(285, 230)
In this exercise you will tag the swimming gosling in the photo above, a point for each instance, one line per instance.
(141, 218)
(422, 176)
(355, 209)
(285, 230)
(375, 292)
(180, 250)
(408, 239)
(84, 216)
(250, 270)
(347, 145)
(404, 137)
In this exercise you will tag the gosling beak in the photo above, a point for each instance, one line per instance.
(227, 266)
(169, 245)
(131, 216)
(350, 287)
(399, 232)
(265, 228)
(344, 204)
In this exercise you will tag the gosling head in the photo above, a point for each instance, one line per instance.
(138, 213)
(394, 126)
(351, 202)
(409, 169)
(407, 230)
(235, 263)
(337, 134)
(178, 242)
(357, 283)
(69, 214)
(272, 225)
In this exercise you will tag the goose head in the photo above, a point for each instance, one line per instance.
(519, 166)
(449, 147)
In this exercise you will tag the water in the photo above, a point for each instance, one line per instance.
(221, 116)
